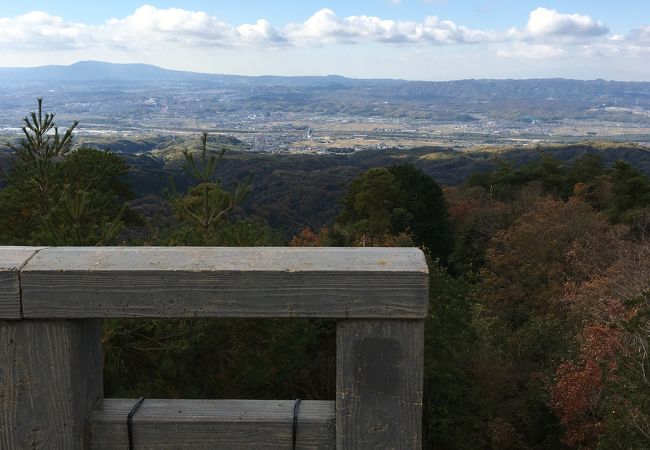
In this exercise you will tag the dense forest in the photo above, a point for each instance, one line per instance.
(294, 191)
(539, 323)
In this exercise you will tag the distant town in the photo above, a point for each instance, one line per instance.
(325, 114)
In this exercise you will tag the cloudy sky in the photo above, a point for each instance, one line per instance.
(411, 39)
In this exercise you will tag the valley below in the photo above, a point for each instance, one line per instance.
(328, 114)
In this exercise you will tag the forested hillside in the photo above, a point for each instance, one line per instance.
(294, 191)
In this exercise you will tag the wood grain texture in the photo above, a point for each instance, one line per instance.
(379, 384)
(210, 424)
(225, 282)
(11, 260)
(50, 379)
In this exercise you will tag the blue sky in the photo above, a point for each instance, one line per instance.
(621, 16)
(413, 39)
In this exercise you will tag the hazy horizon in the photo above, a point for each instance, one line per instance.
(262, 75)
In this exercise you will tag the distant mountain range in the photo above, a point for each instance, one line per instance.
(128, 94)
(91, 71)
(97, 71)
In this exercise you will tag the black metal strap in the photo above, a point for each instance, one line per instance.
(295, 422)
(129, 420)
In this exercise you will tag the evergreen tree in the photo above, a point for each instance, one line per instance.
(37, 155)
(385, 204)
(426, 211)
(56, 196)
(207, 204)
(630, 192)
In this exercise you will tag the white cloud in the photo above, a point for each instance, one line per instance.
(322, 27)
(149, 19)
(641, 35)
(146, 27)
(261, 31)
(636, 46)
(547, 34)
(551, 34)
(531, 51)
(39, 30)
(325, 27)
(544, 23)
(150, 26)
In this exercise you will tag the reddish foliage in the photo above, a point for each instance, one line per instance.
(610, 271)
(578, 388)
(464, 205)
(458, 212)
(306, 238)
(527, 263)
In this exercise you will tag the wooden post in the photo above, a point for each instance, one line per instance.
(379, 384)
(50, 379)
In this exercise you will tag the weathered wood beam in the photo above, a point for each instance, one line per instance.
(50, 379)
(12, 260)
(210, 424)
(379, 371)
(109, 282)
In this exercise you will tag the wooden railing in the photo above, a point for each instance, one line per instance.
(52, 300)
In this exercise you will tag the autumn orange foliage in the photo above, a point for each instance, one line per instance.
(614, 270)
(306, 238)
(576, 394)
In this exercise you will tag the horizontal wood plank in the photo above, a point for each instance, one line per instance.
(110, 282)
(11, 261)
(209, 424)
